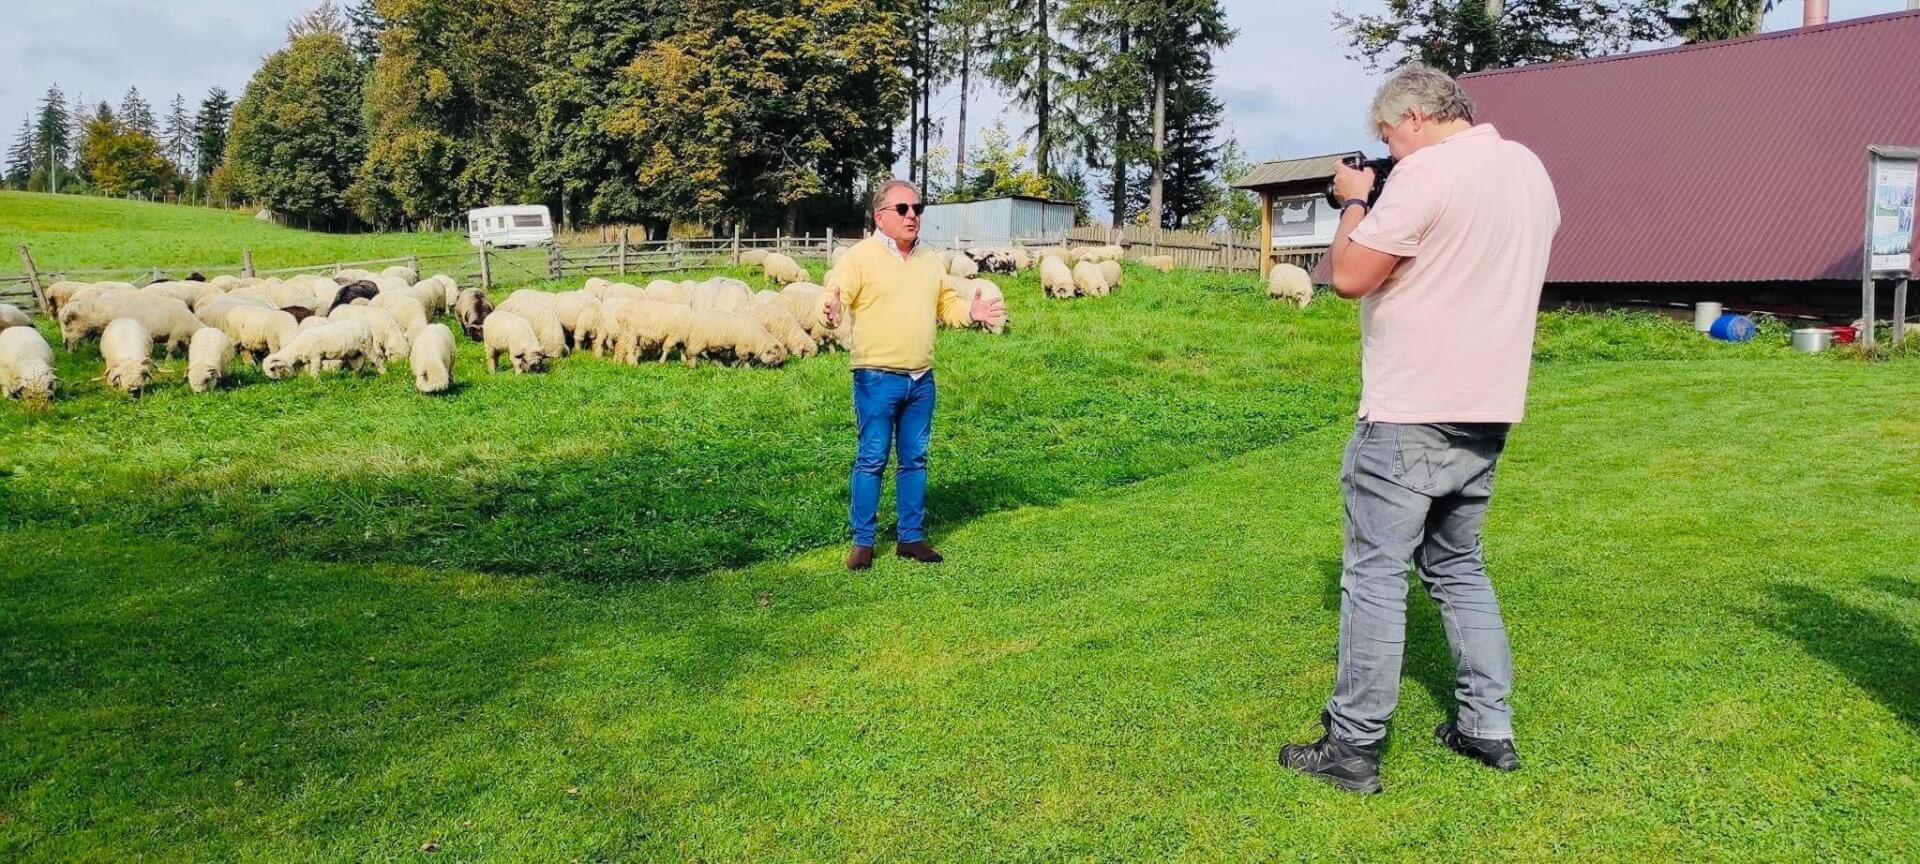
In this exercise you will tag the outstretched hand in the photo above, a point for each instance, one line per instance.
(834, 308)
(991, 311)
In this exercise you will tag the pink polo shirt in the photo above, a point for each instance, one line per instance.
(1448, 338)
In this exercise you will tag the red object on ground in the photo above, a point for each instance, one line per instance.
(1735, 161)
(1845, 334)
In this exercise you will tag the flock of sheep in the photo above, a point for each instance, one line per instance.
(358, 320)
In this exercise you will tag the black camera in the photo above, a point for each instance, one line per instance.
(1381, 168)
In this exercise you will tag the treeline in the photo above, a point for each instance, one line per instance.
(759, 113)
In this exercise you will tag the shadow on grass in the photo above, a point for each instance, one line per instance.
(1870, 648)
(1427, 659)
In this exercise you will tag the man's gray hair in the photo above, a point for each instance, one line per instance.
(1422, 89)
(880, 194)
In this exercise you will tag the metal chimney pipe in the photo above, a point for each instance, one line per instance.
(1816, 13)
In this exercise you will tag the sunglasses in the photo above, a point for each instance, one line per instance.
(902, 209)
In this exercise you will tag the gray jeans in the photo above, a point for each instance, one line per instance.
(1418, 493)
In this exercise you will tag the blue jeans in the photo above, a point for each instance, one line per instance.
(1418, 494)
(894, 412)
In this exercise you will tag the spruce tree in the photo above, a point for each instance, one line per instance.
(210, 131)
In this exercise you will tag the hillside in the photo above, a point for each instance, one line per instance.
(73, 231)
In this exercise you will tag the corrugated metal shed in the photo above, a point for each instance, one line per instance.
(1284, 171)
(1743, 160)
(995, 221)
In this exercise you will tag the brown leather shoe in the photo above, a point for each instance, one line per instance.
(861, 558)
(919, 551)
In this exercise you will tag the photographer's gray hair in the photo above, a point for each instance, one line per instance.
(1419, 88)
(880, 194)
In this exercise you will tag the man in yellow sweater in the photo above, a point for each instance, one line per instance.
(893, 292)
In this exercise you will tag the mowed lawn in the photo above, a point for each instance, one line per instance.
(599, 614)
(78, 232)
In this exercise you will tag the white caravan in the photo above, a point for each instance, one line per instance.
(516, 225)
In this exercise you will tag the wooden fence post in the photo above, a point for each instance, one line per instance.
(33, 281)
(413, 263)
(736, 244)
(679, 253)
(1899, 312)
(829, 247)
(623, 251)
(556, 263)
(246, 263)
(779, 243)
(486, 272)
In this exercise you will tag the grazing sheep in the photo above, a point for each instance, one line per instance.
(569, 306)
(11, 316)
(587, 330)
(509, 335)
(839, 252)
(185, 292)
(315, 321)
(782, 325)
(406, 274)
(642, 327)
(622, 289)
(1088, 280)
(1289, 282)
(472, 307)
(1022, 259)
(432, 359)
(256, 332)
(358, 289)
(1097, 254)
(1162, 263)
(1110, 270)
(26, 365)
(437, 292)
(352, 274)
(537, 308)
(335, 346)
(1056, 279)
(225, 282)
(662, 291)
(754, 257)
(702, 296)
(802, 300)
(208, 356)
(984, 288)
(963, 267)
(299, 313)
(164, 318)
(127, 348)
(390, 338)
(724, 336)
(779, 268)
(406, 308)
(59, 293)
(597, 287)
(212, 310)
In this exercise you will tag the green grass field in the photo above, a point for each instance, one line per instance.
(76, 232)
(599, 614)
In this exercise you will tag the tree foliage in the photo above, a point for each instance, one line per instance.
(210, 131)
(1458, 36)
(297, 138)
(1714, 20)
(123, 160)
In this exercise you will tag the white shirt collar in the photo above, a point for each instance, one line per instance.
(895, 247)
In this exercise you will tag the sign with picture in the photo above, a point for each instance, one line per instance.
(1296, 217)
(1890, 214)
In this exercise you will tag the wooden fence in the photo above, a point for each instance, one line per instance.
(1194, 250)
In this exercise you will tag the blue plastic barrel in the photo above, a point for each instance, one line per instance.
(1732, 328)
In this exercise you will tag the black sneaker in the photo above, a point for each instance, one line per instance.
(1495, 753)
(1353, 767)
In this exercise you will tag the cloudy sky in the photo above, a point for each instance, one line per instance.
(1287, 85)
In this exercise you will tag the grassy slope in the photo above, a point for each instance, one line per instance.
(71, 231)
(1715, 664)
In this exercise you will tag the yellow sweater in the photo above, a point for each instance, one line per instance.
(892, 304)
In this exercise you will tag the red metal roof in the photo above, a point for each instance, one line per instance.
(1743, 160)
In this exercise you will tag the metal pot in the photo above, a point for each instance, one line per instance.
(1812, 340)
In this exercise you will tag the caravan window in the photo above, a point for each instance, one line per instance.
(527, 220)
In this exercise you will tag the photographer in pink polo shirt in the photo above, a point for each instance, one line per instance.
(1448, 267)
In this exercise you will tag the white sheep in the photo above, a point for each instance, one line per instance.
(971, 289)
(588, 332)
(11, 316)
(724, 336)
(312, 321)
(165, 319)
(127, 348)
(509, 335)
(1088, 280)
(471, 308)
(1110, 270)
(1162, 263)
(214, 307)
(537, 308)
(963, 267)
(1289, 282)
(730, 295)
(623, 289)
(257, 332)
(332, 347)
(224, 282)
(569, 306)
(754, 257)
(779, 268)
(406, 274)
(782, 325)
(597, 287)
(432, 359)
(1056, 279)
(406, 308)
(390, 339)
(185, 292)
(26, 365)
(643, 327)
(208, 356)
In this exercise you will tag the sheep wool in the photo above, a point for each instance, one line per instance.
(432, 359)
(258, 332)
(643, 327)
(390, 340)
(127, 348)
(26, 365)
(208, 356)
(471, 308)
(754, 257)
(1162, 263)
(11, 316)
(779, 268)
(1111, 270)
(962, 267)
(1289, 282)
(1056, 279)
(781, 324)
(510, 336)
(336, 346)
(723, 336)
(405, 308)
(538, 312)
(1088, 280)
